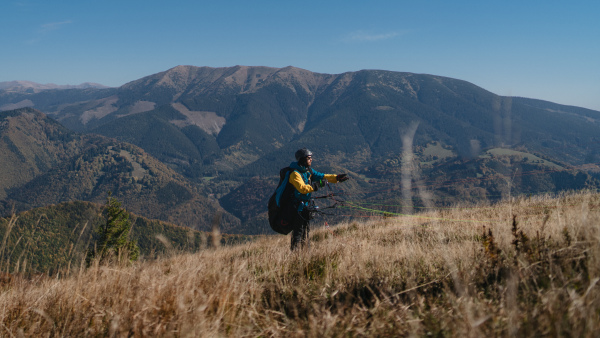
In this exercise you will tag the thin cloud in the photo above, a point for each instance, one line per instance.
(52, 26)
(46, 28)
(362, 36)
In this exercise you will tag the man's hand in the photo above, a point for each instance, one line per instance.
(315, 186)
(342, 177)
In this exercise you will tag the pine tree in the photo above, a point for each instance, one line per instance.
(113, 236)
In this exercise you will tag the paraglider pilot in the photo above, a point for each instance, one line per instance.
(302, 181)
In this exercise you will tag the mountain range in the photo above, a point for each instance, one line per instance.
(222, 134)
(31, 87)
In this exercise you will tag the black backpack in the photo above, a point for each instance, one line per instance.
(281, 206)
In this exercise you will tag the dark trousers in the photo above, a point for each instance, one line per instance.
(300, 233)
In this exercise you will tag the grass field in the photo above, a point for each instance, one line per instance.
(527, 267)
(530, 157)
(434, 152)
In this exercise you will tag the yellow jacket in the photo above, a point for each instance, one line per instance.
(298, 183)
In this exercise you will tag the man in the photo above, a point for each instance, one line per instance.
(298, 182)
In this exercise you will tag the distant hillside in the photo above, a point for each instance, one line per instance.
(144, 185)
(31, 144)
(248, 202)
(47, 164)
(56, 237)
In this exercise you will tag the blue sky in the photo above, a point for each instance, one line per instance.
(548, 50)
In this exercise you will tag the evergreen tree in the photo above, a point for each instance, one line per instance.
(113, 235)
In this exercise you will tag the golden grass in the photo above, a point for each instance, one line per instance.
(444, 273)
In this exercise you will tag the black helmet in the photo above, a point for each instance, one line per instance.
(302, 153)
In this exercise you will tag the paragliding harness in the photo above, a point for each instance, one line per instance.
(282, 204)
(284, 208)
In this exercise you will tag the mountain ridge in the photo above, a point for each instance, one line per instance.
(20, 85)
(220, 128)
(226, 100)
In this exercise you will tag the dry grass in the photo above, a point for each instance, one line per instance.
(444, 274)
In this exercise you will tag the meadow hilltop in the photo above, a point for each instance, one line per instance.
(528, 267)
